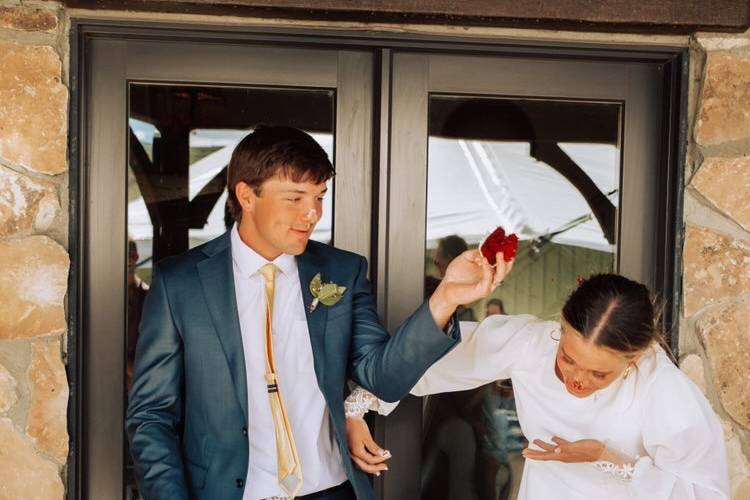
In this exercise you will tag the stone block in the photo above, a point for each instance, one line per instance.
(692, 366)
(33, 282)
(727, 340)
(724, 114)
(24, 18)
(742, 491)
(23, 473)
(26, 204)
(711, 41)
(725, 182)
(737, 463)
(715, 267)
(46, 422)
(33, 115)
(8, 390)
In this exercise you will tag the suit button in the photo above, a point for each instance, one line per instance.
(244, 431)
(240, 483)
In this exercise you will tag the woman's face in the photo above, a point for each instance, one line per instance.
(585, 368)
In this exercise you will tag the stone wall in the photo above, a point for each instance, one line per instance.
(34, 192)
(33, 258)
(715, 323)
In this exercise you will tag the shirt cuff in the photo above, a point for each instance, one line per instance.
(452, 329)
(449, 327)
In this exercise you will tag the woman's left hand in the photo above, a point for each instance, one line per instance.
(585, 450)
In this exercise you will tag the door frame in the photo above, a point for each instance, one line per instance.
(101, 201)
(372, 184)
(636, 86)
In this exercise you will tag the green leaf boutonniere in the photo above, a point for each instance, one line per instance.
(326, 293)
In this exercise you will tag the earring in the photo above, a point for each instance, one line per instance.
(626, 372)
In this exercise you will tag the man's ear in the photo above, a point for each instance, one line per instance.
(245, 195)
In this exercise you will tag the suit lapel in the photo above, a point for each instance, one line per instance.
(217, 280)
(309, 264)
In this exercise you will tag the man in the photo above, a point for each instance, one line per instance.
(247, 342)
(448, 248)
(137, 291)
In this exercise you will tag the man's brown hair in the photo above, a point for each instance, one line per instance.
(272, 150)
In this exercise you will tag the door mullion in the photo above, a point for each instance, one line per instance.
(353, 151)
(406, 245)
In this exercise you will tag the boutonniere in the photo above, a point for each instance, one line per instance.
(326, 293)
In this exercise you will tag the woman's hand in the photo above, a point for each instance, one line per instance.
(585, 450)
(469, 277)
(364, 451)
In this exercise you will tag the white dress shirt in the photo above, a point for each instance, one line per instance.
(308, 415)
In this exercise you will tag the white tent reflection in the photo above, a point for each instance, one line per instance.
(202, 171)
(477, 185)
(474, 186)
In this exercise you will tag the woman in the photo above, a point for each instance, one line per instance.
(606, 412)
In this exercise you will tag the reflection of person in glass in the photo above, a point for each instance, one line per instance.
(501, 442)
(606, 411)
(247, 341)
(137, 291)
(450, 422)
(494, 306)
(448, 248)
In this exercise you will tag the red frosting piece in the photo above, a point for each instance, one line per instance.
(499, 242)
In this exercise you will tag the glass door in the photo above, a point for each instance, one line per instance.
(564, 154)
(163, 119)
(568, 152)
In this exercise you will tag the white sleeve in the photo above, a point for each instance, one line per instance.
(488, 351)
(683, 438)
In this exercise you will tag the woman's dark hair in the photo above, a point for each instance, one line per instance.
(615, 312)
(272, 150)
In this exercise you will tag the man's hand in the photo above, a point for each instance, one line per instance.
(469, 277)
(364, 451)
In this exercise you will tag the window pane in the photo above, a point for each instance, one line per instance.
(549, 171)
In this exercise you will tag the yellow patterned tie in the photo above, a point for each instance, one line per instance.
(289, 467)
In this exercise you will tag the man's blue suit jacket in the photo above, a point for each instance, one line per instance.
(187, 413)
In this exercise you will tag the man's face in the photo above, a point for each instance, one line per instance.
(282, 218)
(132, 260)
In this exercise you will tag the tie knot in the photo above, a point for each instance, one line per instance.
(269, 272)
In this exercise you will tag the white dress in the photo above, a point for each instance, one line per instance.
(656, 413)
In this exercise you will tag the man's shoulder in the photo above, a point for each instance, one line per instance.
(187, 261)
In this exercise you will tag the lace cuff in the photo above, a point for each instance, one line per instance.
(624, 471)
(617, 464)
(360, 401)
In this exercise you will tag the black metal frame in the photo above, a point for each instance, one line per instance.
(673, 60)
(76, 230)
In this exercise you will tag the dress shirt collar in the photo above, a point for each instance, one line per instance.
(249, 262)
